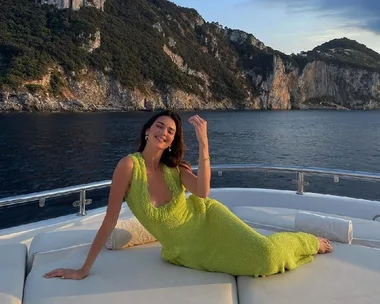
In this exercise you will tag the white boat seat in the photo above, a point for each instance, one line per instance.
(12, 273)
(55, 240)
(366, 232)
(313, 202)
(133, 275)
(350, 275)
(67, 237)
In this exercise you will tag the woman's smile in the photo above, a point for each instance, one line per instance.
(160, 139)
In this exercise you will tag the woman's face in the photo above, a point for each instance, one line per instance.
(161, 133)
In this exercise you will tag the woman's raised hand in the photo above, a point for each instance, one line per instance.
(73, 274)
(200, 126)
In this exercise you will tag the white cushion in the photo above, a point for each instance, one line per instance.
(349, 275)
(133, 275)
(333, 228)
(12, 273)
(267, 217)
(55, 240)
(73, 233)
(365, 232)
(314, 202)
(128, 232)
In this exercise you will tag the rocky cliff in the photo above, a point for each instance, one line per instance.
(153, 54)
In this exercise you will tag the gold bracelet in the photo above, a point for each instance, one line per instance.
(203, 159)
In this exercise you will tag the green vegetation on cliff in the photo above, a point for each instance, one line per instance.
(342, 52)
(134, 33)
(34, 38)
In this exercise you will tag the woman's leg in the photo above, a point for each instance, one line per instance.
(291, 250)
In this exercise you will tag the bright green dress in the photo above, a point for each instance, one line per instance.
(203, 234)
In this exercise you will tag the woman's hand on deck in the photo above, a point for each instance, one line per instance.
(73, 274)
(200, 126)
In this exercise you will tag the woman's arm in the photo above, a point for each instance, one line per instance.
(119, 187)
(204, 172)
(200, 184)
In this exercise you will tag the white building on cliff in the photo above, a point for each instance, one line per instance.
(74, 4)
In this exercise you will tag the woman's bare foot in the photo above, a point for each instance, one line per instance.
(324, 245)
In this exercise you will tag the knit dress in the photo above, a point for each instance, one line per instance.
(203, 234)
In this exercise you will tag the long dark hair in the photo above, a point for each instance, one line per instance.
(175, 157)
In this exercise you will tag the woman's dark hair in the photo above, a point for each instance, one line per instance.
(175, 157)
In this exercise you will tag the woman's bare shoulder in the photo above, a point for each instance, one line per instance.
(127, 160)
(125, 164)
(122, 176)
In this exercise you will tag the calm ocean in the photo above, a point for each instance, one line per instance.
(41, 151)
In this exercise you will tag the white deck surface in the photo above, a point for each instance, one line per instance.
(351, 274)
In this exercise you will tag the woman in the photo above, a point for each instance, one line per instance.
(196, 232)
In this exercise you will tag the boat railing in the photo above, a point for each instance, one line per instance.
(300, 181)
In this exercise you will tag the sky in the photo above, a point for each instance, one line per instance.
(292, 26)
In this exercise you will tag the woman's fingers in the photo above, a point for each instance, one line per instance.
(55, 273)
(196, 119)
(74, 274)
(200, 126)
(51, 272)
(192, 120)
